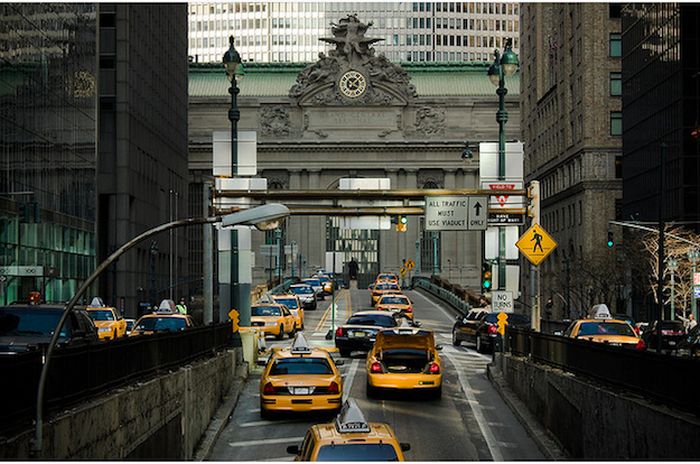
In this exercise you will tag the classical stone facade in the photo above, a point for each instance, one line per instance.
(569, 97)
(355, 114)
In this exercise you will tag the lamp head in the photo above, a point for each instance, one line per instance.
(231, 60)
(265, 217)
(509, 60)
(494, 72)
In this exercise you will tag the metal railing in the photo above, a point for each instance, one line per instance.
(281, 288)
(444, 294)
(82, 371)
(664, 378)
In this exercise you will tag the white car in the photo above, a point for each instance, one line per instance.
(317, 285)
(307, 295)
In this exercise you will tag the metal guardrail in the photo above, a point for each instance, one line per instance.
(78, 372)
(664, 378)
(281, 288)
(445, 295)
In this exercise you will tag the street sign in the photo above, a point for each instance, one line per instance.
(402, 271)
(501, 301)
(455, 212)
(502, 322)
(22, 271)
(410, 264)
(506, 219)
(696, 278)
(696, 292)
(504, 201)
(536, 244)
(488, 160)
(269, 250)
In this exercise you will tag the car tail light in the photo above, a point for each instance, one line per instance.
(375, 368)
(339, 332)
(333, 388)
(641, 345)
(409, 309)
(434, 368)
(636, 330)
(671, 332)
(493, 330)
(268, 389)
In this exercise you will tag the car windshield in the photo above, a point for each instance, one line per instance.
(290, 303)
(300, 366)
(302, 290)
(101, 315)
(394, 300)
(605, 328)
(313, 282)
(265, 311)
(162, 324)
(387, 287)
(671, 325)
(373, 319)
(515, 319)
(30, 322)
(357, 452)
(324, 279)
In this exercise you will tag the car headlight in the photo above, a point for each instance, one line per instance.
(103, 329)
(271, 323)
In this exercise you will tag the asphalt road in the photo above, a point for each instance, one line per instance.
(470, 422)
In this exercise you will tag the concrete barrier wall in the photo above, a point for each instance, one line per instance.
(596, 423)
(160, 418)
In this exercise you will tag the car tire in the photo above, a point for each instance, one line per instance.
(265, 414)
(455, 341)
(371, 391)
(280, 335)
(437, 393)
(293, 332)
(479, 344)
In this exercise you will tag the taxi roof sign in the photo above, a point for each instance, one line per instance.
(351, 420)
(599, 311)
(97, 302)
(300, 345)
(536, 244)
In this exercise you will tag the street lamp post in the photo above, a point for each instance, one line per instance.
(672, 266)
(503, 66)
(693, 256)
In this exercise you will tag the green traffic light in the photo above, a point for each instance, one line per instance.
(610, 243)
(487, 284)
(404, 219)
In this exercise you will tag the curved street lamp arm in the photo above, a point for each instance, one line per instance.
(37, 442)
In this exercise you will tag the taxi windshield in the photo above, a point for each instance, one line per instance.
(394, 300)
(386, 277)
(101, 315)
(304, 290)
(605, 328)
(357, 452)
(290, 303)
(163, 324)
(386, 287)
(373, 319)
(300, 366)
(312, 282)
(265, 311)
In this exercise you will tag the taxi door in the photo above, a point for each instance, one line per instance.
(288, 318)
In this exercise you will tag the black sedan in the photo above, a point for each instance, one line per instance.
(480, 327)
(359, 332)
(672, 335)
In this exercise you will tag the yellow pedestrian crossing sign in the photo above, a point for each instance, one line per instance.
(536, 244)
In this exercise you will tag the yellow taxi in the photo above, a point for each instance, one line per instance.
(386, 277)
(294, 306)
(400, 304)
(384, 288)
(273, 319)
(404, 358)
(350, 438)
(162, 320)
(327, 284)
(600, 327)
(109, 322)
(300, 378)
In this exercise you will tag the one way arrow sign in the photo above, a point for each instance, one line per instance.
(477, 213)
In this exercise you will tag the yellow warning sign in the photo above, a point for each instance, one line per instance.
(502, 323)
(410, 264)
(536, 244)
(402, 271)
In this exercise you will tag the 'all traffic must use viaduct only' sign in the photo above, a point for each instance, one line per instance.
(456, 213)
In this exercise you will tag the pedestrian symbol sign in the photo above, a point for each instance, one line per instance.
(536, 244)
(410, 264)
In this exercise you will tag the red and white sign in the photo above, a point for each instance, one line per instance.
(696, 278)
(503, 201)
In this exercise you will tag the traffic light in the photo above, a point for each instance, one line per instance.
(533, 195)
(486, 275)
(611, 239)
(401, 222)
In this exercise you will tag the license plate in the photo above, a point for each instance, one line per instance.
(358, 334)
(302, 391)
(672, 343)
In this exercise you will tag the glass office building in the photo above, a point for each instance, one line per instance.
(47, 148)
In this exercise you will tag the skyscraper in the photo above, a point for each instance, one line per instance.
(412, 31)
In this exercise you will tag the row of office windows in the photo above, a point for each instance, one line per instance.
(468, 7)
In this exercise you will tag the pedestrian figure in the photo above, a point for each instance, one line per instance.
(181, 306)
(538, 241)
(689, 322)
(352, 269)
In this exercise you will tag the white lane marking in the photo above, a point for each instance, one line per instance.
(318, 334)
(265, 422)
(479, 416)
(254, 410)
(266, 441)
(349, 379)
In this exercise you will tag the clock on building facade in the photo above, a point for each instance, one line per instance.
(352, 84)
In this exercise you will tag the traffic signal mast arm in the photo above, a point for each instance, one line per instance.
(651, 229)
(398, 194)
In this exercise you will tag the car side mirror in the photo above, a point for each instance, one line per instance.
(339, 362)
(405, 446)
(417, 323)
(438, 347)
(293, 449)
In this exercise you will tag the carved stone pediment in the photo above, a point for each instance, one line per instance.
(274, 121)
(352, 74)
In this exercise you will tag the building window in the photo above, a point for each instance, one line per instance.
(618, 167)
(615, 45)
(615, 9)
(616, 84)
(616, 123)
